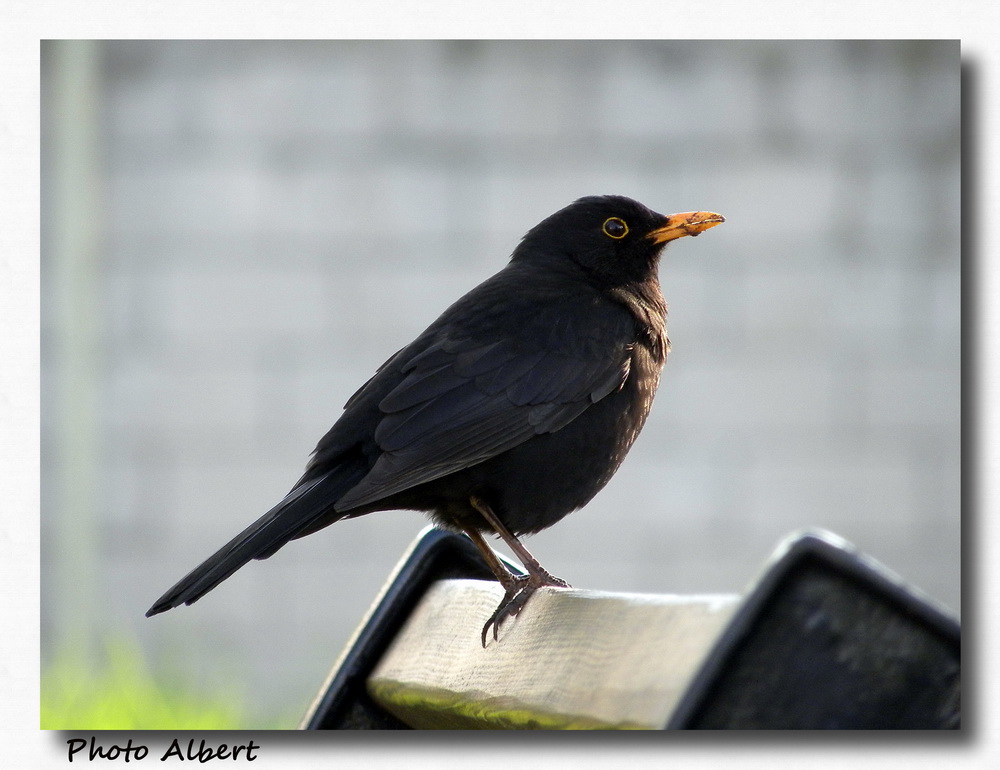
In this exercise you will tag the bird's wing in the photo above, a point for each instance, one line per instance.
(462, 401)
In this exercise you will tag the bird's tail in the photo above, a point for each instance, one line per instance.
(308, 506)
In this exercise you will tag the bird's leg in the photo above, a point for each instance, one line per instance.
(512, 583)
(519, 588)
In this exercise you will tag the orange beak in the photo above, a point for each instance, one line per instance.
(687, 223)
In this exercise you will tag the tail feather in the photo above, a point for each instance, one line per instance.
(302, 508)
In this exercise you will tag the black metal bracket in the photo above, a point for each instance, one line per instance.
(829, 639)
(344, 703)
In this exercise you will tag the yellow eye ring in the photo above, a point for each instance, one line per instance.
(614, 227)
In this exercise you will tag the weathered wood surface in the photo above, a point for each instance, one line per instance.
(573, 659)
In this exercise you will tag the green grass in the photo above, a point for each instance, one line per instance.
(123, 694)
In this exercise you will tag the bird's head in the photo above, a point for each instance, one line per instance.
(612, 238)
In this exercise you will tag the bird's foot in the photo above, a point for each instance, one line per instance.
(518, 590)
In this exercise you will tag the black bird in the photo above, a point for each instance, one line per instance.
(511, 410)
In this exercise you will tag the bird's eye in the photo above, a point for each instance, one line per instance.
(615, 228)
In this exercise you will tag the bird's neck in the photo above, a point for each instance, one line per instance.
(646, 303)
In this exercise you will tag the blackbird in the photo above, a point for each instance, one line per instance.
(511, 410)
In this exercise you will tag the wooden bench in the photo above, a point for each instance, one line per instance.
(826, 639)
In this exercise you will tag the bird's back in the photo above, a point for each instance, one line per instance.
(529, 390)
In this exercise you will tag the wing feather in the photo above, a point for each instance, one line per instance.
(443, 417)
(496, 369)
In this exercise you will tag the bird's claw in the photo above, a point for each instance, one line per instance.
(518, 591)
